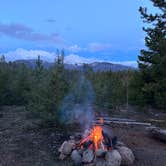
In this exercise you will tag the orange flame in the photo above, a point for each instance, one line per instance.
(96, 136)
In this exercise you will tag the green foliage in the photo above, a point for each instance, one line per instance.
(14, 84)
(48, 88)
(2, 59)
(152, 61)
(111, 88)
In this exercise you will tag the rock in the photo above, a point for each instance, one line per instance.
(60, 149)
(72, 142)
(78, 136)
(62, 156)
(76, 157)
(87, 156)
(100, 153)
(119, 143)
(101, 162)
(72, 137)
(127, 155)
(66, 148)
(113, 158)
(90, 164)
(80, 151)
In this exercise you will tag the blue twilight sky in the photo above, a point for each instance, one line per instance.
(88, 30)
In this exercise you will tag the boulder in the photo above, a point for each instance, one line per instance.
(76, 157)
(80, 151)
(66, 148)
(62, 156)
(88, 156)
(126, 154)
(100, 162)
(90, 164)
(119, 143)
(100, 153)
(113, 158)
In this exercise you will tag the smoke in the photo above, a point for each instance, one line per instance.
(78, 104)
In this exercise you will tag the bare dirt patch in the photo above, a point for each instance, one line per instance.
(23, 142)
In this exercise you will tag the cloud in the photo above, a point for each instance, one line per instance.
(92, 47)
(20, 31)
(73, 59)
(96, 47)
(75, 48)
(29, 54)
(21, 53)
(126, 63)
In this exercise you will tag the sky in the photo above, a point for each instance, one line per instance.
(88, 30)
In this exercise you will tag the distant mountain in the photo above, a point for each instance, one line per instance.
(32, 63)
(105, 66)
(96, 66)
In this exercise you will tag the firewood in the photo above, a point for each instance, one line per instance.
(116, 119)
(157, 133)
(124, 123)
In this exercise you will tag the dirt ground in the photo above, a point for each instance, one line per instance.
(24, 142)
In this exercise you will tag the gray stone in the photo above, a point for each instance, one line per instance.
(72, 137)
(90, 164)
(80, 151)
(100, 153)
(101, 162)
(113, 158)
(62, 156)
(127, 155)
(119, 143)
(66, 148)
(76, 157)
(88, 156)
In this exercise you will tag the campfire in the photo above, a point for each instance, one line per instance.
(95, 140)
(96, 146)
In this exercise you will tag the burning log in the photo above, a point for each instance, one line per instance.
(87, 144)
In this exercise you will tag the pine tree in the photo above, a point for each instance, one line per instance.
(2, 59)
(39, 68)
(152, 61)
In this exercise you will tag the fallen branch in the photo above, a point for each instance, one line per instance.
(123, 123)
(157, 133)
(156, 120)
(116, 119)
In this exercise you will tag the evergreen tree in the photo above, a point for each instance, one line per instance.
(2, 59)
(152, 61)
(39, 68)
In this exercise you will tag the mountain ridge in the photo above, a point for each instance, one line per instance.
(96, 66)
